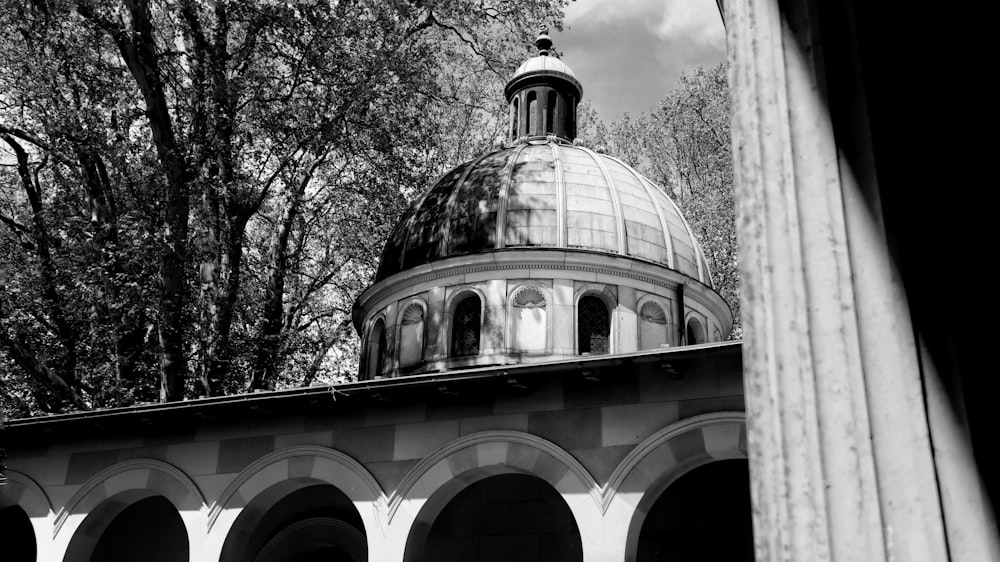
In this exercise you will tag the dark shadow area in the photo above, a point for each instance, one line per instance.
(294, 523)
(149, 530)
(18, 537)
(504, 518)
(910, 75)
(704, 515)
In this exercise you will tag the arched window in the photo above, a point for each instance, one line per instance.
(529, 319)
(594, 326)
(411, 336)
(694, 332)
(514, 119)
(550, 112)
(465, 327)
(532, 107)
(571, 116)
(376, 349)
(652, 326)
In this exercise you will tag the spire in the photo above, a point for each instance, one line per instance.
(544, 42)
(543, 95)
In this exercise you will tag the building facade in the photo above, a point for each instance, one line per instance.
(544, 376)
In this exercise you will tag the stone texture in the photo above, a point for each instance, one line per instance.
(570, 429)
(235, 454)
(369, 444)
(417, 440)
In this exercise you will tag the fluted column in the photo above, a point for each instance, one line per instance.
(842, 465)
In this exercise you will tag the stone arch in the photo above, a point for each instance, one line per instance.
(607, 295)
(106, 494)
(20, 490)
(665, 456)
(274, 476)
(440, 476)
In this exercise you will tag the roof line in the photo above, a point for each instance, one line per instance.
(484, 372)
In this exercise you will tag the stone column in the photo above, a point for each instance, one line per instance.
(841, 459)
(628, 321)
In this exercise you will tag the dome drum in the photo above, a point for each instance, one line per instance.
(526, 307)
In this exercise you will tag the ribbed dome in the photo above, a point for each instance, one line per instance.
(544, 195)
(543, 63)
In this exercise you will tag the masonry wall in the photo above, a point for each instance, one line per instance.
(590, 438)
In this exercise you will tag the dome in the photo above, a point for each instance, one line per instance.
(543, 63)
(539, 195)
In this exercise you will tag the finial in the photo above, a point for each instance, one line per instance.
(544, 42)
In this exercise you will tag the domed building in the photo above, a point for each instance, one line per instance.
(544, 377)
(540, 251)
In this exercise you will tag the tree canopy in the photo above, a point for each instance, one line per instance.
(192, 194)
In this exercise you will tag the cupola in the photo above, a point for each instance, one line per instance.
(543, 250)
(542, 96)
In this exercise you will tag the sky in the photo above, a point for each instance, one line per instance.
(629, 53)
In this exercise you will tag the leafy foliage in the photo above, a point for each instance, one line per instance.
(192, 194)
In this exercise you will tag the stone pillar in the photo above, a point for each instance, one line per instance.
(628, 320)
(563, 317)
(841, 459)
(495, 320)
(436, 344)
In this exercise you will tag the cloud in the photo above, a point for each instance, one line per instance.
(690, 20)
(629, 53)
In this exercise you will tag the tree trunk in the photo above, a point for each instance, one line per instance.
(269, 327)
(65, 382)
(138, 49)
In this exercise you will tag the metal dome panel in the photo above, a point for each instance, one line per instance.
(544, 195)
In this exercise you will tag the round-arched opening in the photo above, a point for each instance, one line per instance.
(376, 349)
(593, 326)
(694, 331)
(150, 530)
(466, 323)
(18, 535)
(703, 515)
(297, 522)
(314, 539)
(508, 517)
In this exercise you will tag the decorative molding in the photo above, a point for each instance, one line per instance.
(27, 484)
(651, 443)
(102, 477)
(344, 460)
(561, 259)
(492, 436)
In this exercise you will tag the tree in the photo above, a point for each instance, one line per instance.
(200, 190)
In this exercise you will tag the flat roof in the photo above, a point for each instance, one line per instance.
(498, 379)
